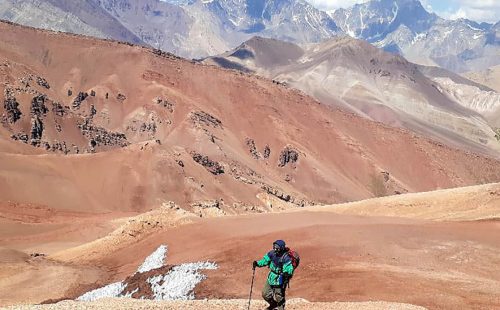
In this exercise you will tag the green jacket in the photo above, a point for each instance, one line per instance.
(277, 266)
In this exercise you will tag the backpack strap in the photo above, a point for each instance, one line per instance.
(282, 258)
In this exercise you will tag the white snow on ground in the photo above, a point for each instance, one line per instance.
(180, 282)
(155, 260)
(111, 290)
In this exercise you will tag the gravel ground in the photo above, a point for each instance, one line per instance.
(293, 304)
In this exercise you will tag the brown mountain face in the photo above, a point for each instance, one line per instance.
(98, 126)
(377, 85)
(108, 150)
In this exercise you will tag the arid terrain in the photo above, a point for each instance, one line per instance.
(349, 258)
(385, 87)
(489, 77)
(109, 150)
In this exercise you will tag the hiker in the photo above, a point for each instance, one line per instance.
(281, 270)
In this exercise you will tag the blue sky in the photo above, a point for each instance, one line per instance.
(477, 10)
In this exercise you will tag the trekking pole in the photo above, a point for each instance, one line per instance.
(251, 289)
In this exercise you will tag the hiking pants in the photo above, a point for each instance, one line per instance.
(275, 296)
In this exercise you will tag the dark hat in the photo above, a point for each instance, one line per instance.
(280, 243)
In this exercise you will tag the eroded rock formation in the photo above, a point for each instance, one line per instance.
(267, 152)
(212, 166)
(288, 155)
(203, 118)
(79, 99)
(252, 148)
(166, 104)
(280, 194)
(36, 131)
(99, 136)
(38, 107)
(20, 137)
(11, 106)
(58, 109)
(42, 82)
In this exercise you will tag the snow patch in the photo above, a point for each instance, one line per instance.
(111, 290)
(395, 11)
(180, 282)
(155, 260)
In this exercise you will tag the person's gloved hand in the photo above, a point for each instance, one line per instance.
(254, 264)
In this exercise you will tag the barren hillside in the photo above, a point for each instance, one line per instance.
(109, 151)
(378, 85)
(125, 128)
(489, 77)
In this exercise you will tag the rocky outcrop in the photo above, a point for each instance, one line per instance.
(58, 109)
(267, 152)
(161, 53)
(26, 80)
(38, 107)
(99, 136)
(278, 193)
(212, 166)
(148, 127)
(252, 148)
(93, 111)
(61, 147)
(145, 123)
(208, 208)
(288, 155)
(36, 131)
(121, 97)
(11, 106)
(37, 110)
(203, 118)
(20, 137)
(79, 99)
(166, 104)
(42, 82)
(386, 175)
(280, 83)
